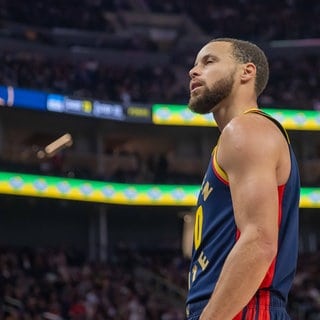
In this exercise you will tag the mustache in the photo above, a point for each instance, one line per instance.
(196, 83)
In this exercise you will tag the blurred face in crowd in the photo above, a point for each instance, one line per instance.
(212, 77)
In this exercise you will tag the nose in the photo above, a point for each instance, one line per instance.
(194, 72)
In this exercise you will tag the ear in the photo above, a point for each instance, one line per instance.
(249, 71)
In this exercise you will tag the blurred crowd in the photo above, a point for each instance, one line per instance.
(304, 299)
(293, 84)
(92, 79)
(85, 15)
(269, 20)
(60, 284)
(251, 19)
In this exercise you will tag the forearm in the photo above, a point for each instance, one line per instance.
(241, 276)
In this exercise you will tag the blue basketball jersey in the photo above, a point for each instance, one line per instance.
(215, 233)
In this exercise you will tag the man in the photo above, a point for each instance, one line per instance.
(245, 243)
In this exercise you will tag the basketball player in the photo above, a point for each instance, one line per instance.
(245, 243)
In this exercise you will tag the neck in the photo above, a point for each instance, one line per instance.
(224, 114)
(227, 110)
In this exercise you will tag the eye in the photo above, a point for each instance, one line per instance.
(209, 60)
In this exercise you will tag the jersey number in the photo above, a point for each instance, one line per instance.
(198, 227)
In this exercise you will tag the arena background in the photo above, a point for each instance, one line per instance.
(98, 229)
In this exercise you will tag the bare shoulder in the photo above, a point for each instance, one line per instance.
(250, 137)
(252, 127)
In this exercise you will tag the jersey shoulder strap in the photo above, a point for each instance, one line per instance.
(276, 122)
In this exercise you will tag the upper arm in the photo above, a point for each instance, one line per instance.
(249, 156)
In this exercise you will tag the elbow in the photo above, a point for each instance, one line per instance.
(263, 243)
(270, 252)
(268, 248)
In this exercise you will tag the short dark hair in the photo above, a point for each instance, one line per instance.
(244, 52)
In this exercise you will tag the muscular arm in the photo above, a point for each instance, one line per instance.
(249, 155)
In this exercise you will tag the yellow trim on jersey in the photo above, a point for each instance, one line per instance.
(251, 109)
(222, 174)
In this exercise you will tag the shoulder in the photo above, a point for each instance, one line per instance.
(251, 128)
(250, 137)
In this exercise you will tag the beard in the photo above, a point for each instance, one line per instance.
(211, 97)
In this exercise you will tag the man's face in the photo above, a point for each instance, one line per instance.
(212, 77)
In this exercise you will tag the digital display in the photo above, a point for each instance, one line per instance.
(22, 98)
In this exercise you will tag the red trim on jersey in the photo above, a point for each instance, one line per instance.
(264, 302)
(253, 308)
(280, 196)
(238, 316)
(251, 314)
(218, 175)
(267, 281)
(238, 234)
